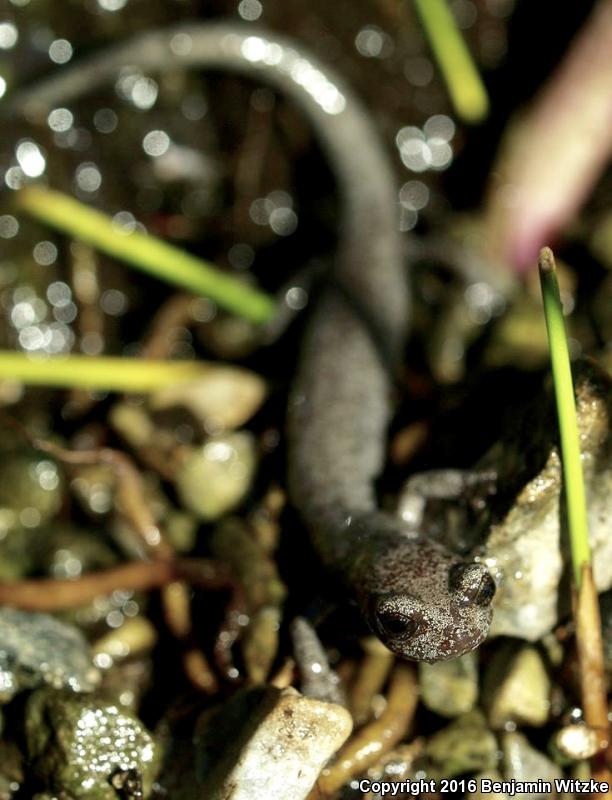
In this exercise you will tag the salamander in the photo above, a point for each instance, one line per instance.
(423, 601)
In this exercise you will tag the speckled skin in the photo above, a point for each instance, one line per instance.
(341, 401)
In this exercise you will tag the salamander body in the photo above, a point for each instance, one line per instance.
(423, 601)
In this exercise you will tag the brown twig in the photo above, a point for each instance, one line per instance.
(371, 677)
(58, 594)
(376, 738)
(163, 571)
(592, 671)
(175, 313)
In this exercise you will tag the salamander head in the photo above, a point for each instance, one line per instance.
(425, 603)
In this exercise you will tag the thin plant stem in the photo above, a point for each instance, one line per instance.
(145, 252)
(104, 373)
(463, 81)
(573, 478)
(589, 644)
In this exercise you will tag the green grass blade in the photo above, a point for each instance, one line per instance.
(145, 252)
(104, 373)
(573, 477)
(463, 81)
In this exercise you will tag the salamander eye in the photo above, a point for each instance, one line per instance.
(473, 584)
(394, 623)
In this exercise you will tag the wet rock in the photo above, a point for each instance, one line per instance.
(213, 478)
(222, 400)
(76, 744)
(267, 743)
(516, 687)
(38, 649)
(31, 490)
(522, 762)
(450, 688)
(523, 548)
(574, 743)
(466, 745)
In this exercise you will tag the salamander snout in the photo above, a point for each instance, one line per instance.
(423, 601)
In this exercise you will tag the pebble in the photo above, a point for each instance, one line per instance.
(269, 743)
(516, 687)
(223, 399)
(215, 477)
(450, 688)
(466, 745)
(522, 762)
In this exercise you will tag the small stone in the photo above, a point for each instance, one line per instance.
(31, 489)
(181, 530)
(38, 649)
(215, 477)
(222, 400)
(516, 687)
(134, 637)
(574, 743)
(78, 744)
(266, 743)
(133, 423)
(450, 688)
(466, 745)
(523, 549)
(522, 762)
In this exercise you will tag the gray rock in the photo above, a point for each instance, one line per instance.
(523, 549)
(516, 687)
(37, 649)
(263, 743)
(466, 745)
(522, 762)
(450, 688)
